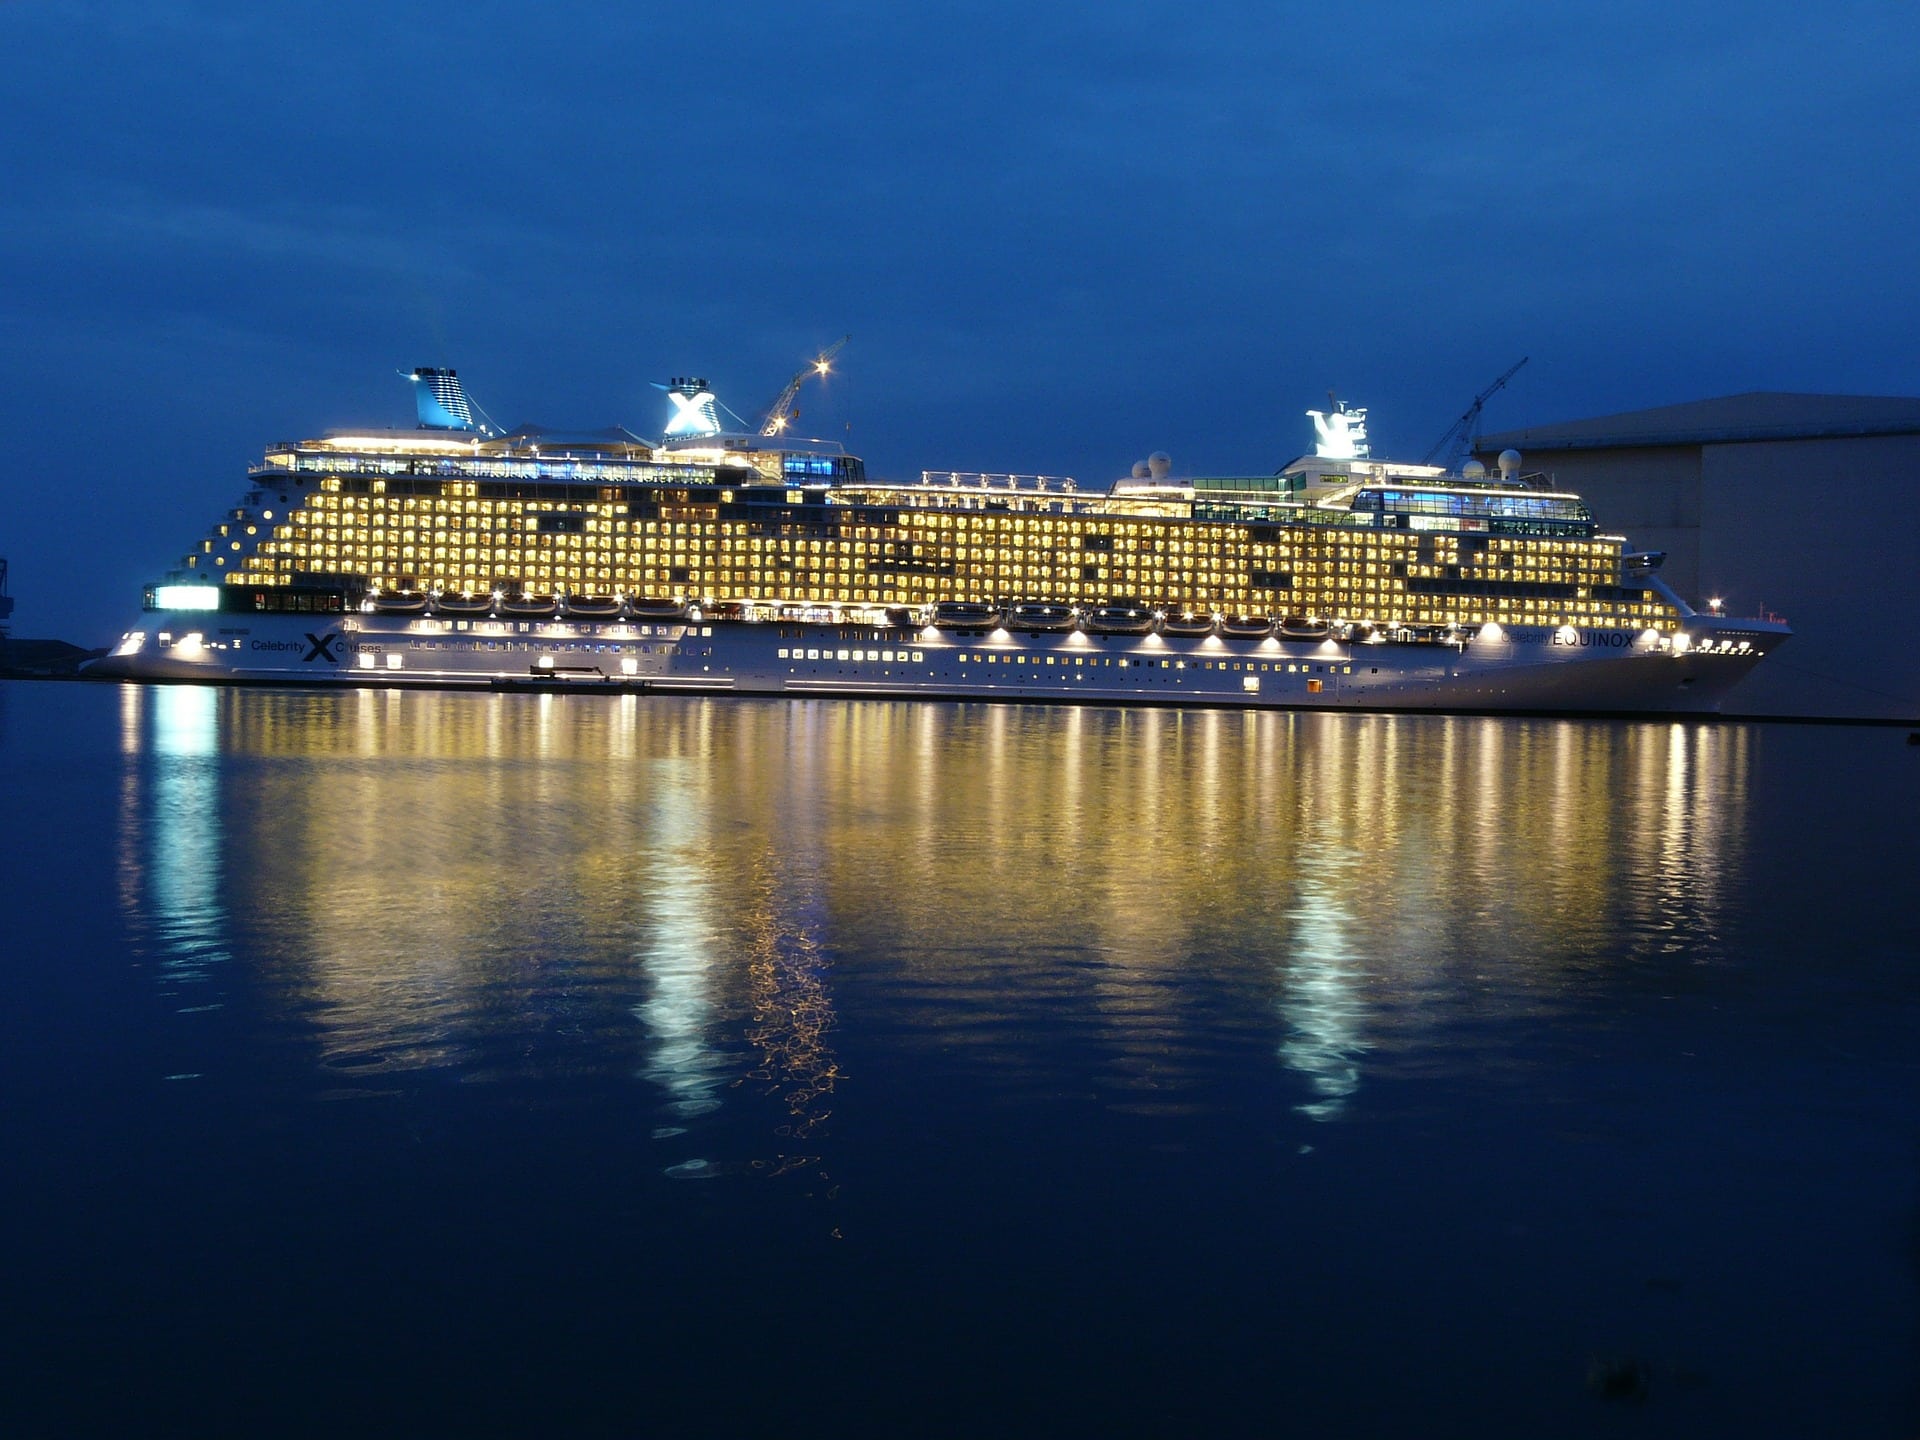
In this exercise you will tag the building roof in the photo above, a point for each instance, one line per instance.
(1756, 415)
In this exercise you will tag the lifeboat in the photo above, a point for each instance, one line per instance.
(965, 615)
(1302, 627)
(591, 607)
(1041, 617)
(459, 602)
(1118, 620)
(1192, 623)
(656, 607)
(399, 602)
(521, 606)
(1246, 627)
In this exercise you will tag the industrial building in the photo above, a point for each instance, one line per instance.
(1806, 507)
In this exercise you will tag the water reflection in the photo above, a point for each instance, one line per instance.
(791, 1006)
(670, 892)
(682, 939)
(1322, 996)
(679, 962)
(174, 844)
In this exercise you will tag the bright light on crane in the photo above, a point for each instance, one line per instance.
(781, 413)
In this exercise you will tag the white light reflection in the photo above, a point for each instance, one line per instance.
(183, 846)
(1321, 998)
(681, 900)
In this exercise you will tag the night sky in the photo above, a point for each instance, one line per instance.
(1060, 237)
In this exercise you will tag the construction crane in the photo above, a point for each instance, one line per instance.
(1452, 447)
(779, 413)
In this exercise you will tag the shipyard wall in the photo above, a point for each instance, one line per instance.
(1822, 532)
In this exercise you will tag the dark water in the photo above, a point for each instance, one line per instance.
(447, 1064)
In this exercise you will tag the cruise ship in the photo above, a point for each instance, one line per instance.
(743, 561)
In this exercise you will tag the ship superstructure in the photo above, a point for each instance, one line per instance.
(453, 533)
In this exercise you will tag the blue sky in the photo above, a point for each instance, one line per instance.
(1060, 237)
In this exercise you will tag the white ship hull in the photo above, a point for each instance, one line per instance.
(1497, 669)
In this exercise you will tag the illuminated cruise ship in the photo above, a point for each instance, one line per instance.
(754, 563)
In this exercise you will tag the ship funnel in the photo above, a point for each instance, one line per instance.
(442, 404)
(1509, 466)
(693, 412)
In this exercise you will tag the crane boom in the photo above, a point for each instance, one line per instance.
(1450, 447)
(778, 413)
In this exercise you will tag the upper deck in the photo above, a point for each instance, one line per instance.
(532, 464)
(554, 457)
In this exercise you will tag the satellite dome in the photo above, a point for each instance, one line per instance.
(1474, 470)
(1509, 464)
(1159, 464)
(1141, 470)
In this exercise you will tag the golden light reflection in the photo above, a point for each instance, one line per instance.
(662, 889)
